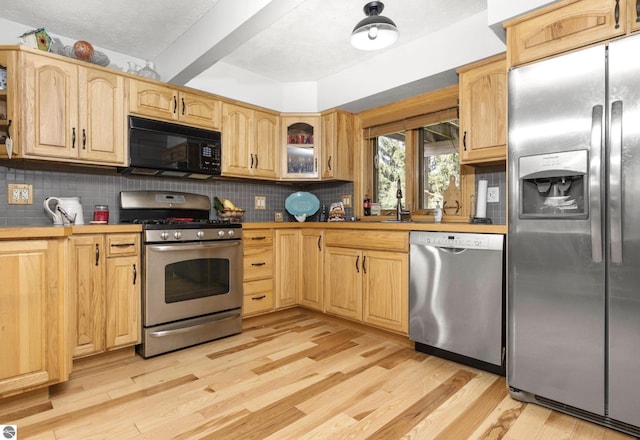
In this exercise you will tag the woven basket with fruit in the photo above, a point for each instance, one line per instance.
(226, 210)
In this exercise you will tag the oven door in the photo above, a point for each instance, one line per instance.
(186, 280)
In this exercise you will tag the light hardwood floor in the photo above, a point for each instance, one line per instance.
(291, 375)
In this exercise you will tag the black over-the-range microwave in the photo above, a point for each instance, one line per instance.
(158, 148)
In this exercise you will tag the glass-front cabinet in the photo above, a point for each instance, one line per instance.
(7, 130)
(301, 136)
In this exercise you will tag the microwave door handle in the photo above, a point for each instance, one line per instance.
(615, 183)
(194, 247)
(595, 165)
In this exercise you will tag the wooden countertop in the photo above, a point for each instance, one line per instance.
(381, 226)
(26, 232)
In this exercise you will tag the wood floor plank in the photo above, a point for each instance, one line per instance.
(400, 425)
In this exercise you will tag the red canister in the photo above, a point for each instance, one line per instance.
(101, 213)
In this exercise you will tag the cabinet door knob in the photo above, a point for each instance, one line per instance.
(329, 161)
(364, 264)
(175, 104)
(135, 274)
(464, 141)
(637, 11)
(320, 238)
(97, 253)
(251, 166)
(616, 13)
(256, 160)
(73, 137)
(184, 107)
(84, 139)
(357, 261)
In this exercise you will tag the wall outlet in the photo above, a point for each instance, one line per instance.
(261, 202)
(20, 194)
(493, 194)
(346, 200)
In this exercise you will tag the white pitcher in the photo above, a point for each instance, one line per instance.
(70, 205)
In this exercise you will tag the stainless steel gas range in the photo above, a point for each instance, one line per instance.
(192, 270)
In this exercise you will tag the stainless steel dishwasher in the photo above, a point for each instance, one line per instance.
(456, 297)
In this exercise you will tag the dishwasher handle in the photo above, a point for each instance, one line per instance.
(452, 251)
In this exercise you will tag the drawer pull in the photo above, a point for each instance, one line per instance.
(122, 244)
(258, 264)
(258, 298)
(616, 13)
(259, 238)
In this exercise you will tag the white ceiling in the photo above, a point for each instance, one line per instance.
(307, 42)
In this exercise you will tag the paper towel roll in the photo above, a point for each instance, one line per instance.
(481, 199)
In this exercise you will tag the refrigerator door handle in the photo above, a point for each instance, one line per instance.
(595, 166)
(615, 183)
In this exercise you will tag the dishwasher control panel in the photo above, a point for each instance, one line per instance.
(457, 240)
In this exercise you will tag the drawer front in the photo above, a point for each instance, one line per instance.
(122, 244)
(258, 297)
(258, 263)
(257, 237)
(376, 240)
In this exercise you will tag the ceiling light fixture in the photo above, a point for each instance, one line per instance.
(375, 31)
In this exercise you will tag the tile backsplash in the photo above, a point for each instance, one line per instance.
(102, 187)
(496, 177)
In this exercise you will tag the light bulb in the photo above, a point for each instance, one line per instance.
(373, 32)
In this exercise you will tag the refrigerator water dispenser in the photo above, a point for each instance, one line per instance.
(554, 185)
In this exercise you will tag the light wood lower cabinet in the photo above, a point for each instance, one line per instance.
(105, 291)
(257, 271)
(366, 283)
(312, 271)
(288, 267)
(33, 327)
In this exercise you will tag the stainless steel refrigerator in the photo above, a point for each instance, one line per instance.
(573, 248)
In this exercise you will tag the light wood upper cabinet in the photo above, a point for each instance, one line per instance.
(32, 305)
(633, 15)
(483, 111)
(160, 101)
(337, 145)
(101, 115)
(249, 142)
(312, 270)
(71, 112)
(287, 275)
(564, 26)
(105, 291)
(267, 130)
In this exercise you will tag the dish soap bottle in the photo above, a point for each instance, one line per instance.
(437, 213)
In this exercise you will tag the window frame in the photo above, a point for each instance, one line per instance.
(411, 115)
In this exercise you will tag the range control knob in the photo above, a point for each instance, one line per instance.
(200, 235)
(164, 235)
(230, 233)
(221, 233)
(177, 235)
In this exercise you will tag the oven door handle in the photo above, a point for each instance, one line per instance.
(194, 247)
(161, 333)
